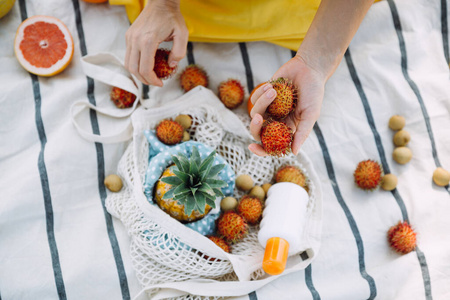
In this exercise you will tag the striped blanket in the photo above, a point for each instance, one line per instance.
(57, 240)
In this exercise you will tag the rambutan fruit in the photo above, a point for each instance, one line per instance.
(368, 175)
(192, 76)
(231, 226)
(291, 174)
(161, 66)
(276, 138)
(286, 98)
(122, 98)
(402, 238)
(250, 208)
(169, 132)
(220, 242)
(231, 93)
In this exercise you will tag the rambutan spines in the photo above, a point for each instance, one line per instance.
(169, 132)
(161, 66)
(285, 100)
(368, 175)
(122, 98)
(250, 208)
(231, 226)
(291, 174)
(276, 138)
(231, 93)
(192, 76)
(402, 238)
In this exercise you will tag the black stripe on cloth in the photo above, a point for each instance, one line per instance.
(348, 214)
(190, 53)
(412, 84)
(376, 135)
(248, 68)
(395, 193)
(101, 164)
(50, 225)
(444, 29)
(309, 283)
(145, 91)
(252, 296)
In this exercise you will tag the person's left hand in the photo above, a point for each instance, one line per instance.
(310, 84)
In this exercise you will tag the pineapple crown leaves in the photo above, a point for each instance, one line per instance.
(194, 184)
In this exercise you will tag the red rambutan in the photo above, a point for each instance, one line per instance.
(368, 175)
(276, 138)
(161, 66)
(402, 238)
(169, 132)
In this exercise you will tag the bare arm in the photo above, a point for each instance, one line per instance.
(323, 48)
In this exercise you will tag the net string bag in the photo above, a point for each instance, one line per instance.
(164, 251)
(171, 260)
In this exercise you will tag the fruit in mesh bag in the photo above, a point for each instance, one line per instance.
(285, 100)
(169, 132)
(231, 93)
(231, 226)
(161, 66)
(250, 208)
(43, 45)
(122, 98)
(402, 238)
(368, 175)
(192, 76)
(276, 138)
(187, 190)
(291, 174)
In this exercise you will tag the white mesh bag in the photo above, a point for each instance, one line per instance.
(173, 261)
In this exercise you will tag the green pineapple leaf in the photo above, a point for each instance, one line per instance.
(169, 194)
(211, 203)
(215, 170)
(172, 180)
(193, 168)
(200, 202)
(182, 175)
(189, 206)
(206, 189)
(181, 190)
(216, 183)
(181, 162)
(218, 192)
(195, 156)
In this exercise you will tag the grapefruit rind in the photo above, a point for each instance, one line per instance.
(61, 64)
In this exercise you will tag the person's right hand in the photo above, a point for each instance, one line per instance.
(160, 21)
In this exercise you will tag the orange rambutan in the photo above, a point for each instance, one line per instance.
(161, 66)
(192, 76)
(368, 175)
(276, 138)
(291, 174)
(231, 93)
(231, 226)
(285, 100)
(122, 98)
(402, 238)
(169, 132)
(250, 208)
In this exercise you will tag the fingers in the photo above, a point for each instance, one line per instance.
(178, 49)
(257, 149)
(255, 126)
(147, 62)
(304, 128)
(263, 101)
(259, 91)
(133, 64)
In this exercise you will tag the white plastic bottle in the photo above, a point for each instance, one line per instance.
(282, 225)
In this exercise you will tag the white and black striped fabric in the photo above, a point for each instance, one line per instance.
(57, 241)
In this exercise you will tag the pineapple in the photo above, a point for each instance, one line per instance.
(188, 189)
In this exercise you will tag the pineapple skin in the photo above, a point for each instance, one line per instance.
(172, 207)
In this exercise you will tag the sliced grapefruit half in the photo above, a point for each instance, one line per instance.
(43, 45)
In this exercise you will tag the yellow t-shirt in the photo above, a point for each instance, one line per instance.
(282, 22)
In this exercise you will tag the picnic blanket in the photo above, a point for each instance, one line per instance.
(58, 241)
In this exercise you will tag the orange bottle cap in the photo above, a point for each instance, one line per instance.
(275, 256)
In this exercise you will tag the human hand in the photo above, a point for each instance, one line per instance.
(310, 83)
(160, 21)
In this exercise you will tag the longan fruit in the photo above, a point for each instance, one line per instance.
(266, 187)
(441, 177)
(184, 120)
(389, 182)
(244, 182)
(402, 155)
(186, 136)
(228, 203)
(113, 182)
(258, 192)
(402, 138)
(397, 122)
